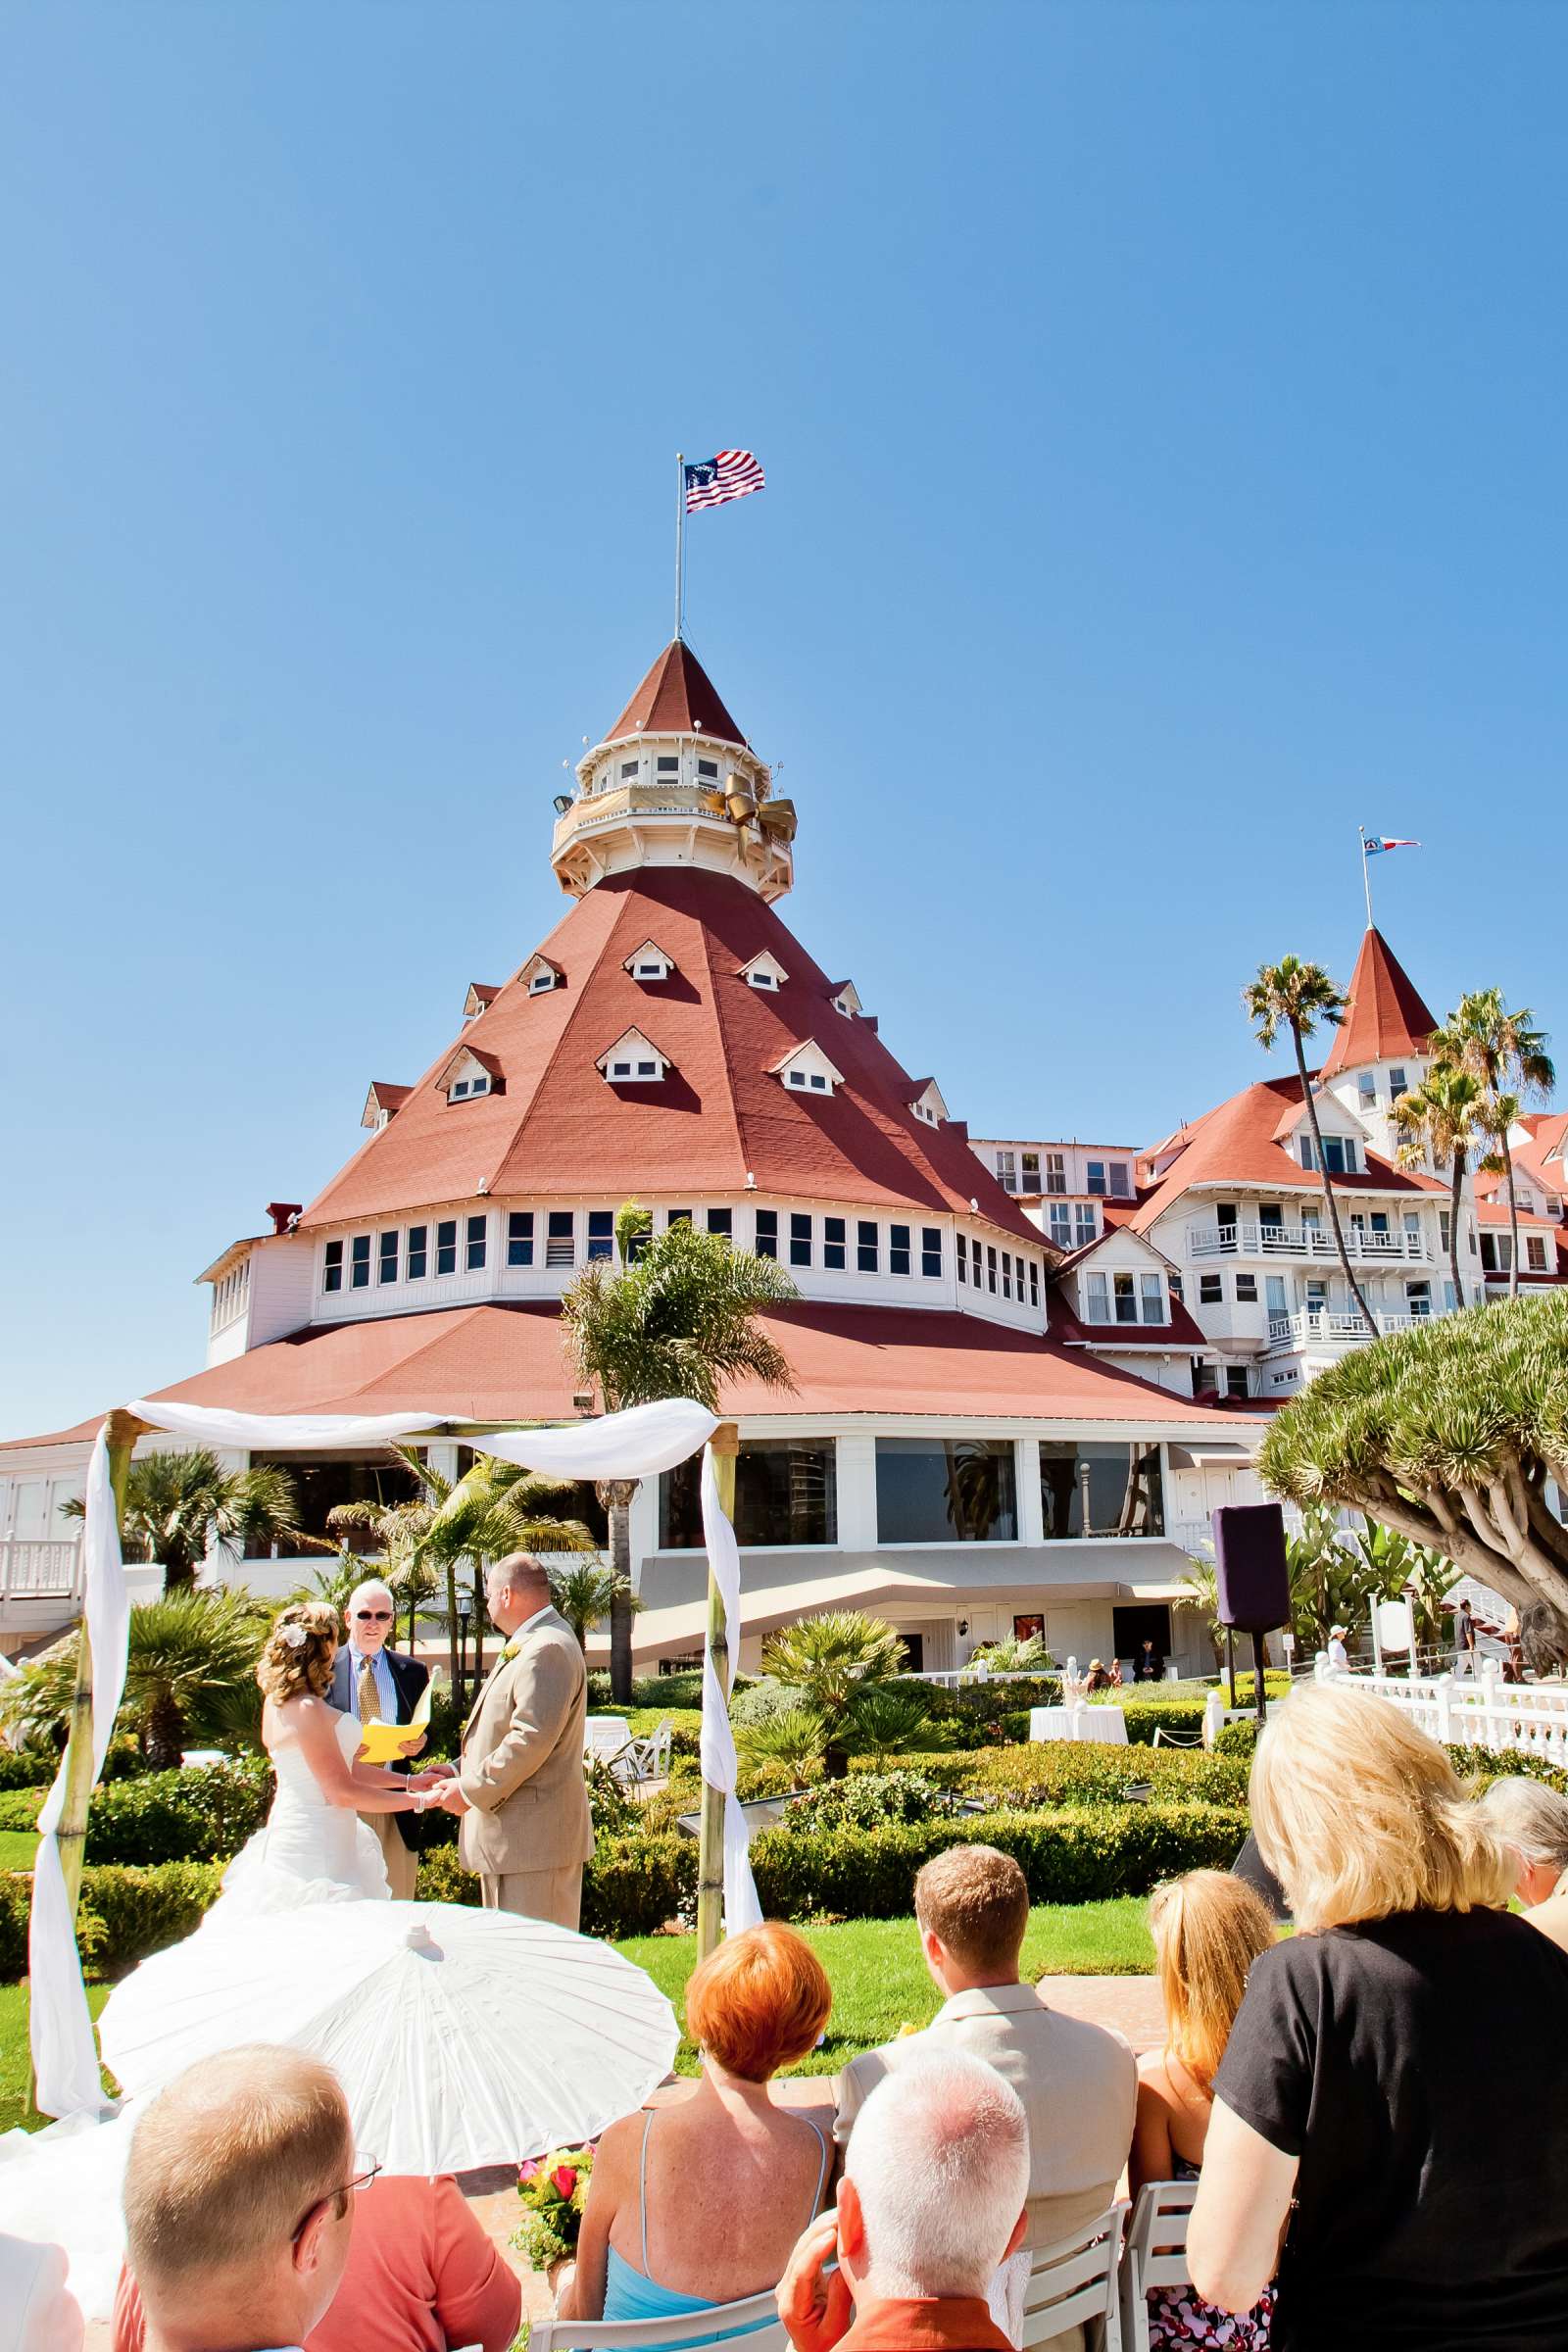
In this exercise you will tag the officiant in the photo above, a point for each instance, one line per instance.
(375, 1684)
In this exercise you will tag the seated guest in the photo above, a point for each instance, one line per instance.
(1209, 1927)
(699, 2201)
(1096, 1678)
(1360, 2094)
(1532, 1822)
(1078, 2083)
(421, 2275)
(239, 2202)
(929, 2208)
(38, 2312)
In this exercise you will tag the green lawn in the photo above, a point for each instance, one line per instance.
(17, 1848)
(874, 1964)
(879, 1979)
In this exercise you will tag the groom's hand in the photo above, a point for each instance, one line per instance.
(451, 1799)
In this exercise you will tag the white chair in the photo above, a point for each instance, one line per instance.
(644, 1760)
(1157, 2253)
(724, 2321)
(1073, 2285)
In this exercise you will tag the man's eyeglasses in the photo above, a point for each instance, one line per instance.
(361, 2179)
(372, 1616)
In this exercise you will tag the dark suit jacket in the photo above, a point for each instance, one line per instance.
(409, 1677)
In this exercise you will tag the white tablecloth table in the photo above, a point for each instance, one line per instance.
(605, 1735)
(1105, 1723)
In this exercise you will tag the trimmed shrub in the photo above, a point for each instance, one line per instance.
(125, 1914)
(203, 1813)
(630, 1887)
(869, 1799)
(27, 1768)
(1082, 1772)
(443, 1878)
(1068, 1855)
(1237, 1739)
(1178, 1714)
(19, 1808)
(1484, 1765)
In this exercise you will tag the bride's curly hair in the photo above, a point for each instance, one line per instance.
(298, 1655)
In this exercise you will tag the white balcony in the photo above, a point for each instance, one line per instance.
(39, 1568)
(1334, 1326)
(1309, 1241)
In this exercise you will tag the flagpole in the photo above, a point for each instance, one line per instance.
(1366, 875)
(680, 544)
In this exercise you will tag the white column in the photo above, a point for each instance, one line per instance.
(857, 1490)
(643, 1527)
(1031, 1514)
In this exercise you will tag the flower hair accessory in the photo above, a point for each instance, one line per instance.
(294, 1635)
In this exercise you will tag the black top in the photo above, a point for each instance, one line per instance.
(1418, 2067)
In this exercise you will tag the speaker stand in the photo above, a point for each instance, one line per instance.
(1230, 1663)
(1257, 1680)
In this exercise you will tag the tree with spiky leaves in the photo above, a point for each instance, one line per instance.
(180, 1508)
(1442, 1120)
(672, 1315)
(1506, 1054)
(843, 1663)
(190, 1665)
(1295, 996)
(1452, 1433)
(494, 1507)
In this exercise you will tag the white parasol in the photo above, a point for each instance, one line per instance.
(462, 2037)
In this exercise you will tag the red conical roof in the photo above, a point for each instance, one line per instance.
(553, 1129)
(677, 697)
(1387, 1018)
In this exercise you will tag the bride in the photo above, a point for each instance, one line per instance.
(312, 1848)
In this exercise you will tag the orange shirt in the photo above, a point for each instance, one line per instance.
(422, 2274)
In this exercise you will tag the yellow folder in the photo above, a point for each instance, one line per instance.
(382, 1743)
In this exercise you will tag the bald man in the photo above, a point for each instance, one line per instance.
(239, 2202)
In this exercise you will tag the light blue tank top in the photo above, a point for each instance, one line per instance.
(632, 2294)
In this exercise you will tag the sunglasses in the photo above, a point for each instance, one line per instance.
(372, 1616)
(372, 2165)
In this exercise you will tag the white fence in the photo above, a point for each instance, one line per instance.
(37, 1567)
(1484, 1711)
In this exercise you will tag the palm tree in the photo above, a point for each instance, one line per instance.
(674, 1318)
(1297, 996)
(584, 1596)
(836, 1662)
(187, 1657)
(396, 1530)
(494, 1509)
(1441, 1118)
(1507, 1055)
(179, 1507)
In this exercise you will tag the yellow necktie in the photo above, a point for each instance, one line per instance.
(370, 1696)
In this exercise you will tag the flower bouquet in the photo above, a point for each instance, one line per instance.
(554, 2191)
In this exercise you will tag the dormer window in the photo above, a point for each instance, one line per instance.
(468, 1074)
(808, 1071)
(633, 1061)
(380, 1103)
(763, 971)
(846, 1000)
(539, 977)
(649, 962)
(479, 996)
(1340, 1155)
(928, 1106)
(708, 771)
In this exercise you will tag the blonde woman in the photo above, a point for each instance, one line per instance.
(1360, 2094)
(1209, 1927)
(1532, 1819)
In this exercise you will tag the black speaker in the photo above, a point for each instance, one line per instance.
(1255, 1584)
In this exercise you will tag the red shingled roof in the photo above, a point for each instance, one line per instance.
(1386, 1019)
(677, 697)
(508, 1364)
(717, 1116)
(1237, 1143)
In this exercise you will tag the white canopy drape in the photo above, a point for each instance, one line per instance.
(637, 1444)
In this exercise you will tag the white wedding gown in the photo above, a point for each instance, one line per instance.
(63, 2185)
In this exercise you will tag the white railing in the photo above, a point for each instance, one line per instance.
(1307, 1240)
(41, 1567)
(1481, 1711)
(1331, 1323)
(966, 1677)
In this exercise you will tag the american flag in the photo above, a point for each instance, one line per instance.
(714, 481)
(1374, 844)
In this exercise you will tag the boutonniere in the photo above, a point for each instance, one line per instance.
(512, 1646)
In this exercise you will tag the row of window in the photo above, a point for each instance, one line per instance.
(1211, 1292)
(1341, 1154)
(229, 1295)
(1496, 1252)
(666, 769)
(1111, 1177)
(928, 1491)
(454, 1245)
(1367, 1087)
(986, 1268)
(1124, 1299)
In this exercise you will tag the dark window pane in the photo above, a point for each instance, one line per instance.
(476, 1244)
(931, 1490)
(721, 1221)
(679, 1216)
(332, 1267)
(1099, 1489)
(964, 1257)
(991, 1266)
(419, 1237)
(833, 1245)
(446, 1245)
(767, 1233)
(320, 1485)
(931, 1250)
(800, 1239)
(898, 1248)
(519, 1238)
(601, 1234)
(785, 1493)
(359, 1261)
(560, 1244)
(865, 1246)
(387, 1271)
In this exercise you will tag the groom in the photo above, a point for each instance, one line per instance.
(377, 1684)
(518, 1791)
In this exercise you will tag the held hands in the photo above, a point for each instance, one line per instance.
(813, 2302)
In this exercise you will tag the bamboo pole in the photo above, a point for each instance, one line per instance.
(726, 1444)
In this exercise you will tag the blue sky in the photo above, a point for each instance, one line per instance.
(1163, 414)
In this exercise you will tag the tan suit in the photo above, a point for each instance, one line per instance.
(1079, 2087)
(530, 1831)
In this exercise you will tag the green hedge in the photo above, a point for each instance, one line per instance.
(630, 1887)
(124, 1913)
(27, 1768)
(201, 1813)
(1082, 1772)
(19, 1808)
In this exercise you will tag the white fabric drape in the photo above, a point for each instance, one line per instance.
(741, 1906)
(638, 1444)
